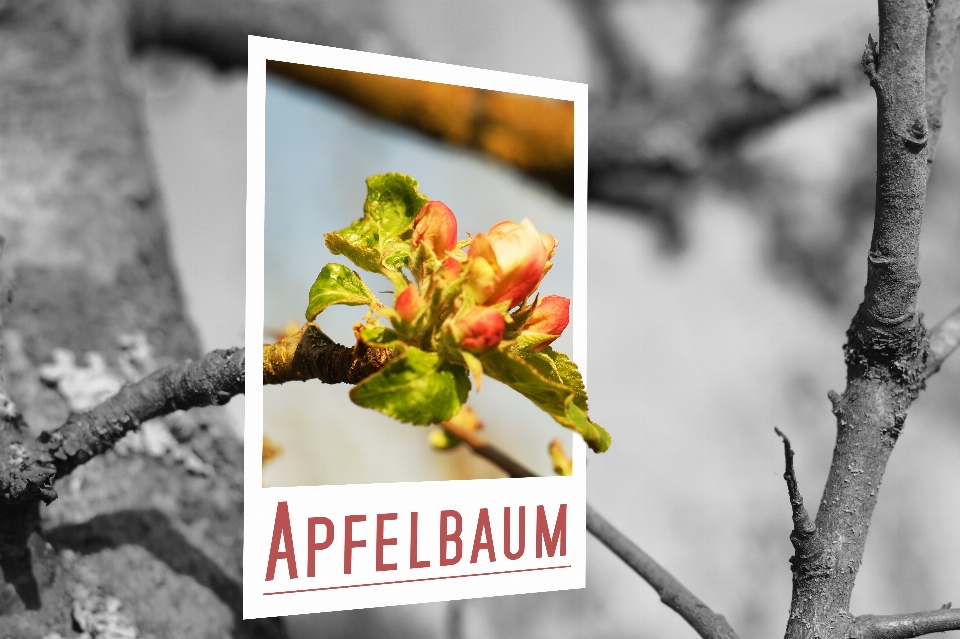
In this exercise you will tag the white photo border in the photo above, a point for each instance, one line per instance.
(261, 504)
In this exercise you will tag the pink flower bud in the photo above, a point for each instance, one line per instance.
(449, 270)
(508, 263)
(480, 329)
(436, 227)
(408, 303)
(549, 318)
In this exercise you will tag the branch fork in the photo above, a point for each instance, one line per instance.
(29, 467)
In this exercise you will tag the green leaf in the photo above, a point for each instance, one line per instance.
(417, 388)
(352, 244)
(380, 337)
(379, 240)
(474, 366)
(337, 284)
(552, 382)
(558, 367)
(594, 434)
(528, 341)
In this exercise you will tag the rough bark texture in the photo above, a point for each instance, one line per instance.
(86, 263)
(310, 354)
(886, 347)
(909, 625)
(942, 33)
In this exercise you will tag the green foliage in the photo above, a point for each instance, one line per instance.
(446, 324)
(539, 379)
(380, 239)
(337, 284)
(416, 387)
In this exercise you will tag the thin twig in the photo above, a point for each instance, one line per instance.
(908, 625)
(807, 543)
(944, 339)
(488, 451)
(673, 594)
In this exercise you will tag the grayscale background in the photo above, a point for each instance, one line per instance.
(708, 326)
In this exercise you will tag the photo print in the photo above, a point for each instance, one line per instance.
(422, 317)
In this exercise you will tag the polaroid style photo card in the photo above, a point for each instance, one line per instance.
(416, 415)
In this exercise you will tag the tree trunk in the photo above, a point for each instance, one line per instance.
(86, 268)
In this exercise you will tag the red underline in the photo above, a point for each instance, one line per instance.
(409, 581)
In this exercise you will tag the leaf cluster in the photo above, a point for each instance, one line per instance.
(427, 379)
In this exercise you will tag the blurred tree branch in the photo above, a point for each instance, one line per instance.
(673, 593)
(942, 32)
(944, 340)
(652, 141)
(535, 135)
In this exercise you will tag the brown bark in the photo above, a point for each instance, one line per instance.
(533, 134)
(86, 263)
(310, 354)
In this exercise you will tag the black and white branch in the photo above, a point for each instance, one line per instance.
(908, 625)
(707, 623)
(808, 546)
(944, 339)
(942, 32)
(887, 345)
(29, 467)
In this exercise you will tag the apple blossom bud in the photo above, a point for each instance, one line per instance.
(480, 329)
(436, 227)
(408, 303)
(550, 317)
(449, 270)
(508, 262)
